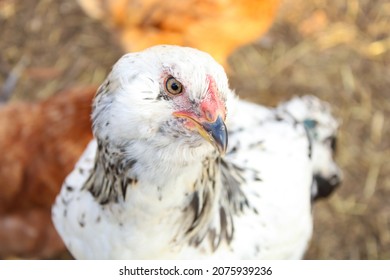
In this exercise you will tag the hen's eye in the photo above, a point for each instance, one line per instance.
(310, 124)
(173, 86)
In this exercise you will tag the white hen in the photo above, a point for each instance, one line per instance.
(155, 182)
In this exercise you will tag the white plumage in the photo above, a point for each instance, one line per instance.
(154, 183)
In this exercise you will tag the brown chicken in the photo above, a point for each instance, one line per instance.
(215, 26)
(42, 141)
(40, 144)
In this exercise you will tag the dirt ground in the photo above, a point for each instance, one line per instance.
(335, 49)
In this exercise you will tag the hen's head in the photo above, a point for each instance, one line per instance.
(167, 97)
(321, 128)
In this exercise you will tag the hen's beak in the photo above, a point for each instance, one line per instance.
(214, 132)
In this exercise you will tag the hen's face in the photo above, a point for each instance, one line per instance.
(321, 127)
(175, 94)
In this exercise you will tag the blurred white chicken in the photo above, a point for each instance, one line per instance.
(159, 180)
(321, 128)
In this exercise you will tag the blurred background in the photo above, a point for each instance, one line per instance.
(53, 54)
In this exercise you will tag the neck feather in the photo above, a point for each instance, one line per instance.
(110, 177)
(208, 199)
